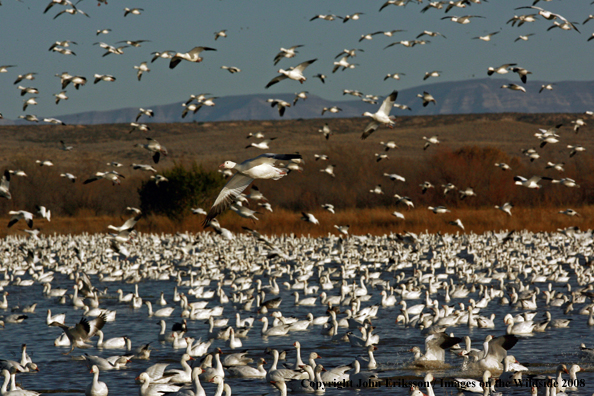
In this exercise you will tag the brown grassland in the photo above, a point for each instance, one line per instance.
(470, 145)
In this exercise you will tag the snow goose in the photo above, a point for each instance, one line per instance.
(429, 141)
(96, 387)
(154, 147)
(495, 351)
(280, 104)
(514, 87)
(295, 73)
(112, 176)
(247, 371)
(261, 167)
(111, 343)
(231, 69)
(506, 208)
(181, 376)
(20, 215)
(5, 185)
(154, 389)
(142, 68)
(59, 318)
(530, 183)
(309, 218)
(435, 346)
(486, 37)
(82, 331)
(333, 109)
(276, 330)
(382, 116)
(286, 53)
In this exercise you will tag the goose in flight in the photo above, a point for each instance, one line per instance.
(328, 207)
(523, 73)
(143, 167)
(429, 141)
(503, 166)
(310, 218)
(261, 167)
(569, 212)
(231, 69)
(72, 11)
(140, 127)
(353, 17)
(330, 17)
(457, 223)
(524, 37)
(430, 74)
(17, 215)
(154, 147)
(133, 11)
(427, 98)
(548, 87)
(69, 176)
(551, 16)
(567, 182)
(220, 33)
(506, 208)
(575, 149)
(486, 37)
(103, 77)
(192, 55)
(426, 186)
(325, 130)
(146, 112)
(27, 76)
(143, 67)
(514, 87)
(530, 183)
(503, 69)
(4, 185)
(54, 2)
(281, 105)
(112, 176)
(333, 109)
(395, 177)
(382, 116)
(286, 53)
(262, 145)
(295, 73)
(463, 20)
(329, 170)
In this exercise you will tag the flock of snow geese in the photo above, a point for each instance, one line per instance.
(357, 306)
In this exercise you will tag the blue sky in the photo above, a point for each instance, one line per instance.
(256, 30)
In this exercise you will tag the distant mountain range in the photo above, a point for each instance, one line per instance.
(463, 97)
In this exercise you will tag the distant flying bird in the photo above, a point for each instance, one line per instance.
(281, 105)
(295, 73)
(133, 11)
(260, 167)
(140, 127)
(530, 183)
(300, 95)
(192, 55)
(146, 112)
(44, 163)
(353, 17)
(328, 207)
(382, 116)
(262, 145)
(569, 212)
(17, 215)
(65, 147)
(112, 176)
(333, 109)
(103, 77)
(325, 130)
(463, 20)
(72, 11)
(143, 167)
(220, 33)
(58, 2)
(286, 53)
(154, 147)
(324, 17)
(69, 176)
(395, 177)
(524, 37)
(21, 77)
(329, 170)
(514, 87)
(548, 87)
(430, 74)
(506, 208)
(486, 37)
(503, 69)
(457, 223)
(231, 69)
(429, 141)
(427, 98)
(5, 185)
(425, 186)
(103, 31)
(309, 218)
(322, 77)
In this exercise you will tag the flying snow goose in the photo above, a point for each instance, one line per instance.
(192, 55)
(295, 73)
(514, 87)
(4, 185)
(486, 37)
(506, 208)
(281, 105)
(333, 109)
(143, 67)
(112, 176)
(132, 11)
(286, 53)
(530, 183)
(309, 218)
(154, 147)
(20, 215)
(261, 167)
(427, 98)
(382, 116)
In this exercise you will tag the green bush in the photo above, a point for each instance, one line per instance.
(187, 188)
